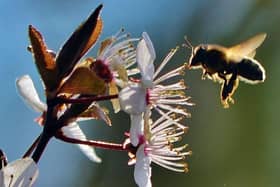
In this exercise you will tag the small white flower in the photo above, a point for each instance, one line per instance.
(151, 91)
(29, 94)
(115, 58)
(157, 145)
(19, 173)
(115, 61)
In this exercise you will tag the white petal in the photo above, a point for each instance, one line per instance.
(2, 178)
(29, 94)
(24, 172)
(142, 169)
(145, 56)
(136, 128)
(133, 99)
(149, 44)
(73, 131)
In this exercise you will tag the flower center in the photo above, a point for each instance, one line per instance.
(141, 139)
(102, 70)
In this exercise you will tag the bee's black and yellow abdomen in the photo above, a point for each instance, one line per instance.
(251, 70)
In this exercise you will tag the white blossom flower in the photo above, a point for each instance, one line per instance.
(118, 52)
(157, 145)
(115, 61)
(151, 91)
(20, 173)
(29, 94)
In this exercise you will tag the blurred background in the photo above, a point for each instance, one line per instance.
(236, 147)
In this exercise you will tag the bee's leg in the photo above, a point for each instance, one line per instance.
(232, 86)
(224, 95)
(204, 74)
(228, 89)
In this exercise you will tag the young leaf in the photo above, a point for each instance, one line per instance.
(94, 36)
(78, 43)
(83, 81)
(113, 89)
(44, 60)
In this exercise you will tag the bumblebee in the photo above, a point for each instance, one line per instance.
(228, 65)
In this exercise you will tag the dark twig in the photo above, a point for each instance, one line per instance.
(32, 147)
(99, 144)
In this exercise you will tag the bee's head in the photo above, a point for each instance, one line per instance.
(198, 55)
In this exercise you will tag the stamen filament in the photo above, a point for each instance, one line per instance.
(85, 100)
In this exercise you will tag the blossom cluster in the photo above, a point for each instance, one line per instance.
(123, 72)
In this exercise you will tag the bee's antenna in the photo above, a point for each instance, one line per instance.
(188, 44)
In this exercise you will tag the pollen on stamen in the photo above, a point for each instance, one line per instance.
(119, 33)
(181, 118)
(181, 148)
(170, 146)
(182, 83)
(182, 109)
(176, 48)
(182, 72)
(186, 129)
(186, 66)
(175, 139)
(186, 169)
(188, 153)
(170, 132)
(126, 50)
(173, 116)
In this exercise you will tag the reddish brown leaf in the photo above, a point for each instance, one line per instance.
(44, 60)
(94, 36)
(78, 43)
(83, 81)
(113, 89)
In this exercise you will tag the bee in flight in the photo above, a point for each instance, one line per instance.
(228, 64)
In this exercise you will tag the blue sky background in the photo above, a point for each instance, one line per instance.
(234, 147)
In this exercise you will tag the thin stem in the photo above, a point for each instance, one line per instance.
(32, 147)
(99, 144)
(43, 141)
(48, 132)
(85, 100)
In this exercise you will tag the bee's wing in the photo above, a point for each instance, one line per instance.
(248, 47)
